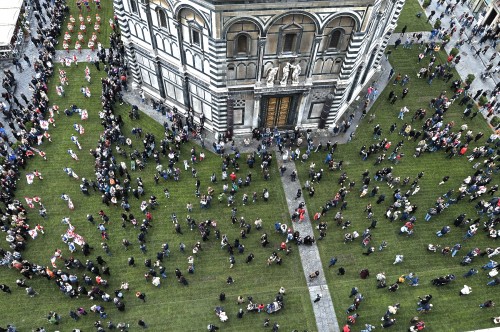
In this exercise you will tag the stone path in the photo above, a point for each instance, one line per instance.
(324, 312)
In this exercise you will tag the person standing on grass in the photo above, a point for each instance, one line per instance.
(487, 304)
(4, 288)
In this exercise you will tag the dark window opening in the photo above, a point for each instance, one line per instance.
(242, 44)
(195, 35)
(133, 6)
(163, 19)
(335, 39)
(289, 42)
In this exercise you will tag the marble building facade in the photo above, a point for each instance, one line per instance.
(264, 63)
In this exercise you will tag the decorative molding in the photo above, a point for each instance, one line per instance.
(324, 17)
(208, 18)
(227, 18)
(264, 18)
(319, 95)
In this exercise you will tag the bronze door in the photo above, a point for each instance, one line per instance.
(277, 111)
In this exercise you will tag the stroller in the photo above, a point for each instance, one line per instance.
(252, 307)
(219, 311)
(273, 307)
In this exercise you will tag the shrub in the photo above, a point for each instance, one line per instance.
(426, 3)
(470, 78)
(495, 121)
(15, 145)
(482, 101)
(454, 51)
(28, 125)
(437, 24)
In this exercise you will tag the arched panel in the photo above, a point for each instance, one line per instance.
(231, 72)
(175, 50)
(327, 66)
(206, 66)
(138, 31)
(251, 70)
(198, 62)
(241, 37)
(241, 71)
(131, 27)
(340, 19)
(189, 58)
(159, 42)
(337, 64)
(146, 36)
(292, 13)
(228, 26)
(292, 33)
(318, 65)
(163, 4)
(337, 33)
(168, 47)
(186, 13)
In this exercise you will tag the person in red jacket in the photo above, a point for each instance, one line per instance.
(463, 150)
(232, 176)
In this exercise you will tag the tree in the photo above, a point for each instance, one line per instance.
(454, 51)
(470, 78)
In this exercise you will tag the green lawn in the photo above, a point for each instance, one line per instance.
(105, 13)
(172, 307)
(449, 309)
(409, 18)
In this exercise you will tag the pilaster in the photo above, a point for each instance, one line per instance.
(260, 54)
(256, 110)
(312, 61)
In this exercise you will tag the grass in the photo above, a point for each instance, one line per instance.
(105, 13)
(171, 307)
(449, 309)
(409, 18)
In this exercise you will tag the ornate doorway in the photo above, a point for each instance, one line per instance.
(278, 111)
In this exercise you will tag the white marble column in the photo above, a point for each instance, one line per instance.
(256, 111)
(304, 102)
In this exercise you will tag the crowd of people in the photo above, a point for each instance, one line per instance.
(29, 126)
(433, 134)
(29, 121)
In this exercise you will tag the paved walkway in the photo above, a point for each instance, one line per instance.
(469, 63)
(326, 320)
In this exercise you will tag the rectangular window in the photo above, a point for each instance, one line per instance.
(289, 42)
(239, 115)
(179, 95)
(170, 89)
(149, 78)
(195, 37)
(196, 104)
(133, 6)
(207, 110)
